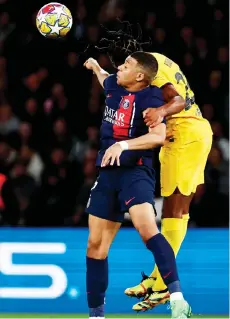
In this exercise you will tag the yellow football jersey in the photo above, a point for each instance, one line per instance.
(170, 72)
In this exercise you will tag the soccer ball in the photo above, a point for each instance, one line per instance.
(54, 20)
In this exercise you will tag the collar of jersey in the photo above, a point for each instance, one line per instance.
(131, 92)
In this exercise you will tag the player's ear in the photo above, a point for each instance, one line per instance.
(140, 76)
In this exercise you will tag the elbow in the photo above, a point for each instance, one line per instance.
(181, 103)
(159, 135)
(162, 136)
(161, 141)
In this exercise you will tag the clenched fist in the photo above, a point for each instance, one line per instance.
(91, 64)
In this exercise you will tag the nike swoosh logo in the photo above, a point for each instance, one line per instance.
(167, 275)
(128, 201)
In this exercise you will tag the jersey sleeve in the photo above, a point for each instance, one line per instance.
(110, 83)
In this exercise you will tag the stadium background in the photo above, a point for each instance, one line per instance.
(50, 113)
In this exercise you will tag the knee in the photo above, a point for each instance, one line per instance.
(143, 218)
(176, 205)
(97, 248)
(172, 210)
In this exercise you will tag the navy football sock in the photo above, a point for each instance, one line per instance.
(96, 284)
(165, 260)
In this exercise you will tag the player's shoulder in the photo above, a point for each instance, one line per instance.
(163, 60)
(154, 98)
(159, 57)
(110, 83)
(155, 91)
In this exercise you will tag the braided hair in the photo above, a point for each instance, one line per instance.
(118, 45)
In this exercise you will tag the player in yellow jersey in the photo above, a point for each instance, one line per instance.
(183, 159)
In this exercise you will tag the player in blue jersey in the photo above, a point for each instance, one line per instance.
(126, 179)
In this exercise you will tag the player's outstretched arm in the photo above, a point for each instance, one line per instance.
(155, 137)
(174, 104)
(92, 64)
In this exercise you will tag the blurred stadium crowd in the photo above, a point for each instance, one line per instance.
(51, 108)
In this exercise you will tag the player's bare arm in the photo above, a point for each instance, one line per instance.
(92, 64)
(154, 138)
(174, 104)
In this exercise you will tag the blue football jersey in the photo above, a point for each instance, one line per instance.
(123, 119)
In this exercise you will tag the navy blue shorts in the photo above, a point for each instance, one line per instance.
(119, 188)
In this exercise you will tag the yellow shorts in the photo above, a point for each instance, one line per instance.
(183, 164)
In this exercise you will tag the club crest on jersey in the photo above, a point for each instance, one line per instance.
(125, 104)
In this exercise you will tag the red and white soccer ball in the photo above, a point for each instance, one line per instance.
(54, 20)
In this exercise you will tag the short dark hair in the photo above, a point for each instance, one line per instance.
(147, 62)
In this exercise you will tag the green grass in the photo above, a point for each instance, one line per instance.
(134, 316)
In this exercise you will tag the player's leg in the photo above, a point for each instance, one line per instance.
(188, 162)
(143, 218)
(172, 225)
(101, 235)
(173, 228)
(173, 206)
(192, 161)
(103, 226)
(137, 195)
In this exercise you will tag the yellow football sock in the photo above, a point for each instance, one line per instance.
(173, 230)
(154, 273)
(185, 219)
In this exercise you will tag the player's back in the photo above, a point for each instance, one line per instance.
(190, 119)
(123, 119)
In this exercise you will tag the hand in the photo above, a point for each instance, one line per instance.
(112, 153)
(153, 117)
(91, 64)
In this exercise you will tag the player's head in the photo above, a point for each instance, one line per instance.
(139, 67)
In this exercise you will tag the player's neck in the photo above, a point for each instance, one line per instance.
(136, 87)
